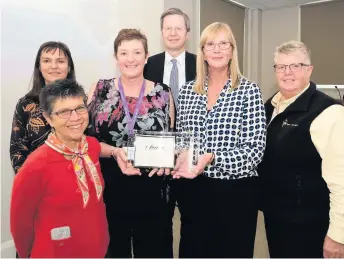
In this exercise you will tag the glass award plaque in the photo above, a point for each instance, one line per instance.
(152, 149)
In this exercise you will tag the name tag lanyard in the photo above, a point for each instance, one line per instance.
(131, 119)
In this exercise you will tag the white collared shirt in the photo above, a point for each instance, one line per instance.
(168, 68)
(280, 105)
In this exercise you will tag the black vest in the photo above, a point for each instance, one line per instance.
(290, 174)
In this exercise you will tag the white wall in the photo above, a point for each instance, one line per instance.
(88, 27)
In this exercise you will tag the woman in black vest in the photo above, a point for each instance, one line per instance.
(303, 163)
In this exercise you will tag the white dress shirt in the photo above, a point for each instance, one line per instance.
(168, 68)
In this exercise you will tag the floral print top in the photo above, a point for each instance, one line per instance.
(29, 130)
(108, 122)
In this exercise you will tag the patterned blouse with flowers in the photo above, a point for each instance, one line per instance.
(29, 130)
(108, 122)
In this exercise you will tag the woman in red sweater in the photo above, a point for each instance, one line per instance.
(57, 209)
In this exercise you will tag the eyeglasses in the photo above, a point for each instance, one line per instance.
(176, 29)
(222, 45)
(66, 113)
(293, 67)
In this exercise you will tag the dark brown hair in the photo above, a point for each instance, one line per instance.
(37, 80)
(130, 34)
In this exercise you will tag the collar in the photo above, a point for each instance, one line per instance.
(276, 100)
(52, 155)
(225, 87)
(301, 103)
(180, 59)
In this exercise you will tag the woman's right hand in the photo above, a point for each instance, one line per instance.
(183, 170)
(126, 166)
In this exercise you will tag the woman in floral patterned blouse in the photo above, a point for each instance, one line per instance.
(137, 200)
(29, 127)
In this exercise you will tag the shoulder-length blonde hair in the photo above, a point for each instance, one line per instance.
(202, 66)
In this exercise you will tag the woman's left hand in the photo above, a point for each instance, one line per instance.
(181, 170)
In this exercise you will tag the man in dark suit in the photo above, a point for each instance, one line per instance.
(175, 61)
(174, 67)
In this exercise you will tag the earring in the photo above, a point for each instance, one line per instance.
(52, 130)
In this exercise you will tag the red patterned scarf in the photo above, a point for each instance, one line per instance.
(79, 158)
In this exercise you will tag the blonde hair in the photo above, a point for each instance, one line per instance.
(293, 46)
(202, 66)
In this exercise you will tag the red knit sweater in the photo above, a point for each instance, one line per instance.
(45, 196)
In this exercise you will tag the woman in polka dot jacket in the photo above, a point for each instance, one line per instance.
(227, 112)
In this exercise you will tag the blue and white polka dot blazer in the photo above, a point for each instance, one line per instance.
(234, 130)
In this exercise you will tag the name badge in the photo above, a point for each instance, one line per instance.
(131, 153)
(60, 233)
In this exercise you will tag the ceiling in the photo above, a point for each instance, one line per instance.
(271, 4)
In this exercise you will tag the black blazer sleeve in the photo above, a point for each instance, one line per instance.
(190, 66)
(154, 69)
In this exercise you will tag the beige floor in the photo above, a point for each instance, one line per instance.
(260, 249)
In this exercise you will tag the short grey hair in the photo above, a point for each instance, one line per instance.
(175, 11)
(292, 46)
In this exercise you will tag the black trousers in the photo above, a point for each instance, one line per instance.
(139, 217)
(219, 218)
(185, 193)
(295, 240)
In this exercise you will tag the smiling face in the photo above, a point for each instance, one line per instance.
(131, 58)
(69, 129)
(174, 32)
(53, 65)
(292, 82)
(218, 51)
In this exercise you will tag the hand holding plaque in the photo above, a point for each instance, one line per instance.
(183, 169)
(158, 150)
(124, 164)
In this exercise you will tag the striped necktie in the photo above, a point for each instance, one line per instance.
(174, 82)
